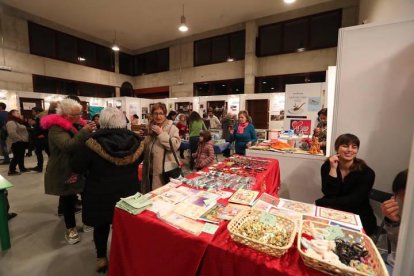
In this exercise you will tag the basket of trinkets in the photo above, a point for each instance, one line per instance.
(338, 251)
(271, 234)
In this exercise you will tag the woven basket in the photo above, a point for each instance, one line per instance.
(254, 215)
(374, 258)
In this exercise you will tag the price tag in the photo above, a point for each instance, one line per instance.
(209, 228)
(268, 219)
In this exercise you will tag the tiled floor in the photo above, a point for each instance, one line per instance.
(37, 233)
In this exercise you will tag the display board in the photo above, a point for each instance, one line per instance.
(374, 95)
(302, 103)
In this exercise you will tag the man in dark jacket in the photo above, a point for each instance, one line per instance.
(3, 120)
(39, 138)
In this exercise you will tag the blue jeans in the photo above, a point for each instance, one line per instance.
(4, 150)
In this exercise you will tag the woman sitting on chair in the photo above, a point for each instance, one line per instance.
(347, 182)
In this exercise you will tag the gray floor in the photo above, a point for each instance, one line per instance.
(37, 233)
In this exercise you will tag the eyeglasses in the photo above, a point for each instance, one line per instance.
(158, 114)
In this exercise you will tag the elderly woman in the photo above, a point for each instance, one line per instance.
(16, 141)
(64, 141)
(111, 157)
(157, 144)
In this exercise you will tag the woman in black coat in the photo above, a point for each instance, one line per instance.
(347, 182)
(110, 161)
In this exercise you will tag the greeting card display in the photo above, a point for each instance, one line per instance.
(245, 197)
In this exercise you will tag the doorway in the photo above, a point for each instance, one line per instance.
(26, 105)
(218, 107)
(259, 112)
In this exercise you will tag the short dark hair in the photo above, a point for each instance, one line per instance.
(135, 116)
(400, 182)
(37, 109)
(346, 139)
(3, 105)
(161, 106)
(96, 115)
(206, 135)
(323, 111)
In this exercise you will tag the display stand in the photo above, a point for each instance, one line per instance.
(4, 224)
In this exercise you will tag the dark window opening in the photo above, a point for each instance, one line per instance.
(270, 84)
(222, 87)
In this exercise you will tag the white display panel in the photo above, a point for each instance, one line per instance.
(374, 95)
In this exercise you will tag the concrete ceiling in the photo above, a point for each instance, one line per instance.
(142, 23)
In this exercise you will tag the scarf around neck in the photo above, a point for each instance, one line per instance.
(17, 120)
(241, 127)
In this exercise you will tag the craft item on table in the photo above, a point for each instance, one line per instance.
(177, 181)
(279, 145)
(339, 216)
(183, 223)
(224, 194)
(338, 250)
(313, 218)
(231, 210)
(216, 181)
(292, 215)
(164, 188)
(269, 199)
(188, 191)
(219, 141)
(160, 207)
(300, 207)
(212, 214)
(173, 196)
(210, 228)
(315, 147)
(271, 234)
(242, 196)
(262, 205)
(196, 206)
(134, 204)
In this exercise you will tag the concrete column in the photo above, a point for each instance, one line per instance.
(250, 59)
(116, 56)
(117, 91)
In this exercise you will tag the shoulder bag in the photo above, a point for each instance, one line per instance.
(174, 173)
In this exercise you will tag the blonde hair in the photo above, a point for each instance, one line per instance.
(66, 106)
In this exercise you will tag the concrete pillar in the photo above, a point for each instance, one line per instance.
(250, 59)
(116, 56)
(117, 91)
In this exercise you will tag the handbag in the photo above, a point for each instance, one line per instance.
(174, 173)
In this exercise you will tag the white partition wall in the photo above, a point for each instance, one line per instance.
(375, 94)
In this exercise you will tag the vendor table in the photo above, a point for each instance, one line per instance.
(144, 245)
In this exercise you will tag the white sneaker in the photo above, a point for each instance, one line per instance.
(72, 236)
(87, 228)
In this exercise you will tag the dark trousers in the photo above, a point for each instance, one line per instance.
(40, 146)
(100, 237)
(68, 208)
(18, 149)
(4, 150)
(193, 149)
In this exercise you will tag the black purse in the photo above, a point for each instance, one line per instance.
(174, 173)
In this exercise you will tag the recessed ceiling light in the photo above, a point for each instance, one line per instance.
(289, 1)
(229, 59)
(301, 49)
(237, 89)
(272, 88)
(81, 59)
(223, 85)
(264, 82)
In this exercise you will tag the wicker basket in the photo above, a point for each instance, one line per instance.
(374, 259)
(254, 215)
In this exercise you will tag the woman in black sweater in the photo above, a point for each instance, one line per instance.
(347, 182)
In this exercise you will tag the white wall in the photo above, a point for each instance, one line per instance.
(382, 11)
(374, 95)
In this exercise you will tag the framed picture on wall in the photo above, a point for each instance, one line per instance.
(184, 107)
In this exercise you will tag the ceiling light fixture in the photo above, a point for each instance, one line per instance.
(115, 47)
(289, 1)
(183, 26)
(230, 59)
(81, 59)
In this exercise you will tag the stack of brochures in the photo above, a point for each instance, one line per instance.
(134, 204)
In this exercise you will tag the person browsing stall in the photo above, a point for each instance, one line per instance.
(392, 210)
(110, 158)
(347, 182)
(321, 128)
(157, 143)
(214, 121)
(244, 134)
(196, 125)
(17, 141)
(204, 156)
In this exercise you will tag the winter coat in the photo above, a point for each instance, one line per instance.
(204, 155)
(16, 133)
(155, 146)
(110, 159)
(64, 141)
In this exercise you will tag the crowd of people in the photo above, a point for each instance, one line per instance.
(98, 160)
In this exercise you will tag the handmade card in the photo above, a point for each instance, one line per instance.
(245, 197)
